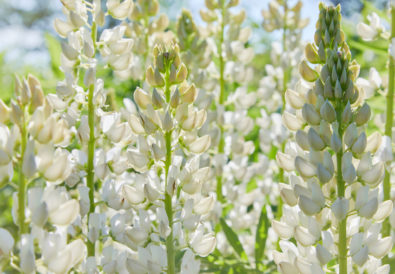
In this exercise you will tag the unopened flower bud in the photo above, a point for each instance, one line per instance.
(369, 208)
(200, 145)
(4, 112)
(307, 73)
(142, 98)
(69, 51)
(310, 115)
(301, 139)
(305, 168)
(323, 175)
(360, 144)
(308, 206)
(181, 74)
(175, 99)
(363, 115)
(189, 95)
(340, 208)
(350, 135)
(151, 193)
(294, 99)
(323, 255)
(315, 140)
(328, 112)
(167, 122)
(311, 54)
(90, 77)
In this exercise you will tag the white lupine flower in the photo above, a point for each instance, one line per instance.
(371, 31)
(27, 255)
(6, 243)
(189, 264)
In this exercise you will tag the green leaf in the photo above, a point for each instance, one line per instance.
(261, 236)
(54, 49)
(363, 46)
(233, 240)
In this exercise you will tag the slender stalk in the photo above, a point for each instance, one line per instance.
(342, 246)
(221, 144)
(389, 121)
(91, 151)
(285, 86)
(168, 198)
(22, 180)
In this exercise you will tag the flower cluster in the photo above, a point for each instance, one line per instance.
(333, 196)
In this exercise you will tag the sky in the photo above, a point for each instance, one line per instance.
(30, 43)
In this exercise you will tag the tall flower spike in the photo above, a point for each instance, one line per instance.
(335, 117)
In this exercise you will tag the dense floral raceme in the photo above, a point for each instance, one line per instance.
(173, 147)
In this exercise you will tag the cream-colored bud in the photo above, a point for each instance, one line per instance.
(205, 205)
(301, 139)
(4, 112)
(347, 114)
(336, 143)
(232, 3)
(142, 98)
(338, 90)
(154, 78)
(369, 208)
(349, 173)
(307, 73)
(310, 115)
(323, 255)
(181, 74)
(167, 124)
(284, 231)
(381, 247)
(361, 256)
(62, 27)
(158, 152)
(200, 145)
(76, 19)
(363, 115)
(16, 113)
(69, 51)
(36, 90)
(303, 236)
(119, 10)
(360, 144)
(373, 175)
(317, 194)
(328, 112)
(157, 100)
(291, 121)
(135, 124)
(211, 4)
(323, 175)
(285, 161)
(26, 94)
(340, 208)
(350, 135)
(132, 195)
(373, 142)
(305, 168)
(308, 206)
(294, 99)
(175, 99)
(328, 89)
(288, 195)
(315, 140)
(137, 235)
(151, 193)
(90, 77)
(189, 95)
(311, 53)
(208, 16)
(384, 210)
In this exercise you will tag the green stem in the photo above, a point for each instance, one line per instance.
(22, 180)
(91, 151)
(221, 101)
(388, 122)
(168, 198)
(340, 193)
